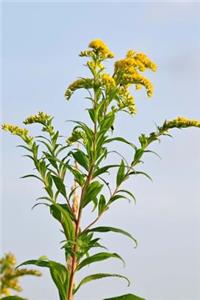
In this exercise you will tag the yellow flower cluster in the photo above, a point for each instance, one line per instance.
(21, 132)
(127, 70)
(181, 122)
(99, 48)
(108, 81)
(86, 83)
(9, 274)
(127, 100)
(41, 117)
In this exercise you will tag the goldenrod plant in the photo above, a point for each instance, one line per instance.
(9, 276)
(74, 171)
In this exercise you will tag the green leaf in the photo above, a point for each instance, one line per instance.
(116, 197)
(91, 193)
(107, 122)
(113, 229)
(120, 139)
(92, 114)
(99, 276)
(81, 158)
(140, 173)
(58, 273)
(98, 257)
(101, 204)
(138, 154)
(129, 193)
(59, 184)
(63, 216)
(120, 173)
(31, 175)
(104, 169)
(79, 177)
(126, 297)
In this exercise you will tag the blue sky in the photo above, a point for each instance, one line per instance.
(40, 47)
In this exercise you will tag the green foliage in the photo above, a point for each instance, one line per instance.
(74, 171)
(113, 229)
(99, 276)
(59, 273)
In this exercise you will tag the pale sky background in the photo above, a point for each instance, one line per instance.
(40, 47)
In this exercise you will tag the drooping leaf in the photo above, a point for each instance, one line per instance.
(126, 297)
(120, 139)
(64, 217)
(59, 184)
(140, 173)
(120, 173)
(31, 175)
(99, 276)
(129, 193)
(116, 197)
(113, 229)
(58, 273)
(98, 257)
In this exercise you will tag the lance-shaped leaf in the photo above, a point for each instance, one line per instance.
(104, 169)
(99, 276)
(107, 122)
(120, 139)
(81, 158)
(140, 173)
(120, 173)
(58, 273)
(126, 297)
(98, 257)
(101, 205)
(113, 229)
(59, 184)
(91, 193)
(64, 217)
(128, 193)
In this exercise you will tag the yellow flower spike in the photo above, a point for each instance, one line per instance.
(41, 117)
(181, 122)
(21, 132)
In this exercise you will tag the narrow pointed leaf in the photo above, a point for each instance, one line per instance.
(63, 216)
(59, 184)
(93, 190)
(129, 193)
(99, 276)
(98, 257)
(113, 229)
(120, 173)
(120, 139)
(140, 173)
